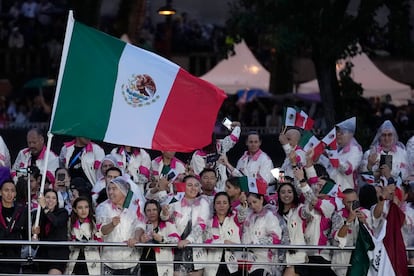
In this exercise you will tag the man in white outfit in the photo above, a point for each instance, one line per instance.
(254, 162)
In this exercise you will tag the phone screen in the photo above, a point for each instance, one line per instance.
(61, 177)
(227, 123)
(275, 172)
(171, 175)
(386, 159)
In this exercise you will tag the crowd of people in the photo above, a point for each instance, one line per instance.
(126, 197)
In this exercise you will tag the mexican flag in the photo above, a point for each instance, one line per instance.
(252, 185)
(303, 121)
(290, 116)
(309, 141)
(360, 261)
(112, 91)
(331, 148)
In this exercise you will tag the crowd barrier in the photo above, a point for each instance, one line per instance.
(236, 247)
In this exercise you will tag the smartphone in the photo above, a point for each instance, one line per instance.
(275, 172)
(172, 175)
(227, 123)
(211, 158)
(386, 159)
(355, 205)
(61, 177)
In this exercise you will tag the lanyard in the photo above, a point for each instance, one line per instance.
(75, 158)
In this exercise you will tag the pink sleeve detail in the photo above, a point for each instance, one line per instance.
(313, 180)
(51, 177)
(155, 172)
(145, 171)
(175, 235)
(350, 169)
(96, 164)
(13, 174)
(98, 239)
(276, 239)
(318, 206)
(120, 163)
(203, 226)
(234, 138)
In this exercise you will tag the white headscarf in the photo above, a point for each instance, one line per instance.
(387, 126)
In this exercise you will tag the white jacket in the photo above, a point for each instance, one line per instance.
(198, 212)
(130, 222)
(261, 228)
(230, 230)
(91, 252)
(91, 158)
(138, 167)
(399, 161)
(157, 165)
(168, 231)
(287, 164)
(23, 161)
(295, 223)
(198, 160)
(4, 154)
(258, 165)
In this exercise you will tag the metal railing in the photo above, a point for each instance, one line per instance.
(231, 247)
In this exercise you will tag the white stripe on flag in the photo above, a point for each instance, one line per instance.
(143, 127)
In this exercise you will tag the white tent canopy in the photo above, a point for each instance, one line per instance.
(240, 71)
(373, 81)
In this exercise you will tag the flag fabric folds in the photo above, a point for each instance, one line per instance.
(252, 185)
(303, 121)
(332, 147)
(394, 242)
(309, 141)
(294, 117)
(112, 91)
(360, 261)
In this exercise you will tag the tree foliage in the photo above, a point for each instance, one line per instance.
(324, 30)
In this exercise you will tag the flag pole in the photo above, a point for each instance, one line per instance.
(42, 184)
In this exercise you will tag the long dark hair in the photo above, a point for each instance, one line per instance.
(74, 216)
(57, 197)
(229, 211)
(367, 196)
(280, 204)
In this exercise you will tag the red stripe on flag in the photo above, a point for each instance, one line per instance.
(309, 123)
(300, 120)
(393, 240)
(189, 115)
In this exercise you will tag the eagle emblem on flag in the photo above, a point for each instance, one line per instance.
(140, 90)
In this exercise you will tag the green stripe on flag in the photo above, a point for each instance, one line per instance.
(244, 184)
(88, 83)
(327, 187)
(304, 138)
